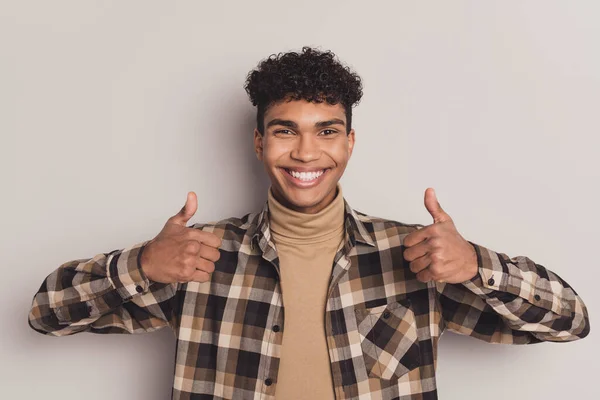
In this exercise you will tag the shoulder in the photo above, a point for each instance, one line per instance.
(384, 227)
(231, 227)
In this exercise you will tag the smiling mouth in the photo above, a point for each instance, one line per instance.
(306, 176)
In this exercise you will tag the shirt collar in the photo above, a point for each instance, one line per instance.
(355, 229)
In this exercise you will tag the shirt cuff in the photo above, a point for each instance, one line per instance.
(498, 272)
(489, 271)
(125, 271)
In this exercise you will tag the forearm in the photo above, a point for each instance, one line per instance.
(97, 295)
(529, 297)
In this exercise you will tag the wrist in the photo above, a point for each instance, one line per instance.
(145, 259)
(474, 263)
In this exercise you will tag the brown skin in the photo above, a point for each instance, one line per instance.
(314, 136)
(438, 252)
(179, 253)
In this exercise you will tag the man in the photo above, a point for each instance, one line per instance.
(309, 299)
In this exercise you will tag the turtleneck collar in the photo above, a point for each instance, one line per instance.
(295, 227)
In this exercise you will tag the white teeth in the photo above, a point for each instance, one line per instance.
(306, 176)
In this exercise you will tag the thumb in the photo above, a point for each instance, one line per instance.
(433, 206)
(188, 210)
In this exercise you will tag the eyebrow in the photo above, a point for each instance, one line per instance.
(333, 121)
(282, 122)
(293, 125)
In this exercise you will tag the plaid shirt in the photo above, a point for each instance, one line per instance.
(382, 324)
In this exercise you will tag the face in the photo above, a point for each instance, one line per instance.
(305, 150)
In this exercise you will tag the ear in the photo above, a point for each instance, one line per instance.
(258, 144)
(351, 141)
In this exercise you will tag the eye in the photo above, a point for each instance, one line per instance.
(328, 132)
(284, 131)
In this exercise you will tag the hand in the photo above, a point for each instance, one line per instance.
(438, 252)
(179, 253)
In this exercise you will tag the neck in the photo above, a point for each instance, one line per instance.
(306, 210)
(288, 223)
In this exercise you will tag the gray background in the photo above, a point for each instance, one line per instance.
(110, 111)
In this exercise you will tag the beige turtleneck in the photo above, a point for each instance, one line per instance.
(306, 245)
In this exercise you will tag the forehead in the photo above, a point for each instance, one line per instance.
(302, 111)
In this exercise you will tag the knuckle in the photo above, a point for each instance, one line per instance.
(188, 262)
(187, 271)
(435, 269)
(192, 246)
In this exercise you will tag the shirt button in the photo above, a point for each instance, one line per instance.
(537, 297)
(386, 314)
(275, 328)
(139, 289)
(491, 281)
(268, 381)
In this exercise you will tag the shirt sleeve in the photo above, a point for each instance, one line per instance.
(108, 293)
(513, 301)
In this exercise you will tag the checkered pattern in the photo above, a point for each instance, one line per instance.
(382, 324)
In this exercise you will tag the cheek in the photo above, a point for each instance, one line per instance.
(278, 153)
(273, 157)
(339, 154)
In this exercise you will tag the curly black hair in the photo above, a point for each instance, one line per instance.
(311, 75)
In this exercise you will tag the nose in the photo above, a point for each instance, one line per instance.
(307, 149)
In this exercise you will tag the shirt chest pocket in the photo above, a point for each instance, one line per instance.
(389, 340)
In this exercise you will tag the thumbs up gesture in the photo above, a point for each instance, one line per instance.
(438, 252)
(179, 253)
